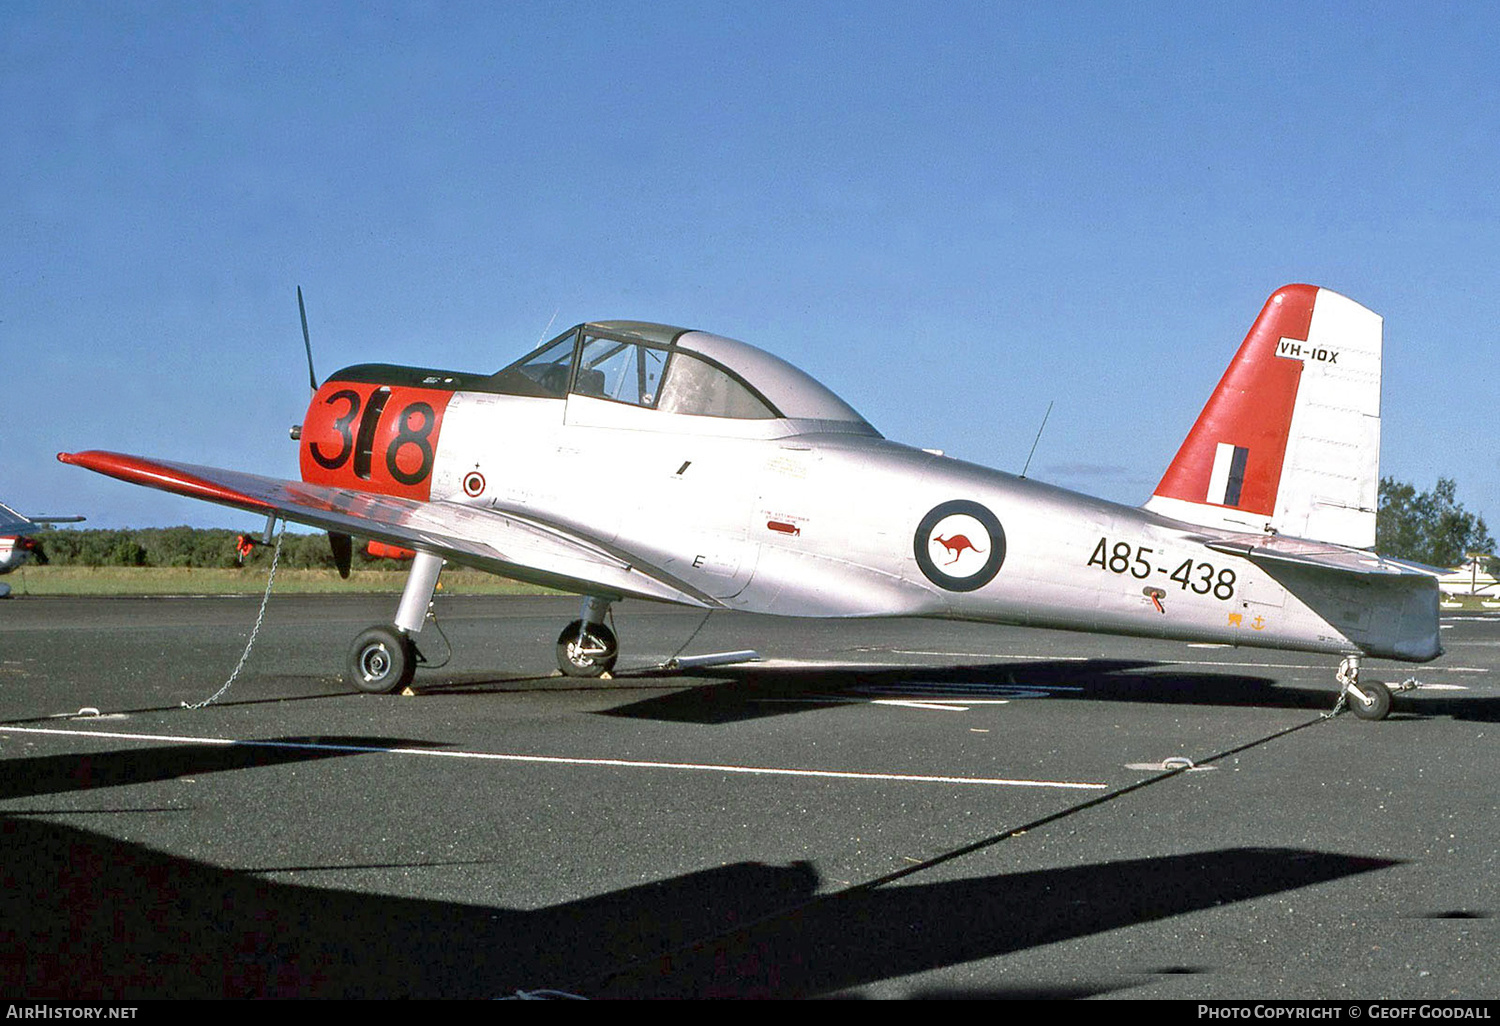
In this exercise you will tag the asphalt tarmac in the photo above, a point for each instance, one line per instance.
(883, 809)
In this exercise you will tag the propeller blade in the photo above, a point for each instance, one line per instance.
(343, 551)
(306, 341)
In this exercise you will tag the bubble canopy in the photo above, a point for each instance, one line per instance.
(673, 370)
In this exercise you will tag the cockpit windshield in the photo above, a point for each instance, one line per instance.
(627, 370)
(656, 367)
(544, 373)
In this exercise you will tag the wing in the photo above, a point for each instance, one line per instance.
(505, 543)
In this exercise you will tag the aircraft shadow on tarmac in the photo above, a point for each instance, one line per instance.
(91, 917)
(59, 774)
(749, 692)
(737, 693)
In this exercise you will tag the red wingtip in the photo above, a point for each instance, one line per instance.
(168, 477)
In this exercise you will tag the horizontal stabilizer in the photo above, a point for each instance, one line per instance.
(1293, 552)
(1387, 607)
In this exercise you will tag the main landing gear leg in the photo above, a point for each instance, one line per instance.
(382, 658)
(1370, 699)
(586, 647)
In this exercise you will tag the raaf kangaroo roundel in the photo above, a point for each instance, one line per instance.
(959, 545)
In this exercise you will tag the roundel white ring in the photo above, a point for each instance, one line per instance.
(474, 484)
(959, 545)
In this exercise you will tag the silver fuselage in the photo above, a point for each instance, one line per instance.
(815, 518)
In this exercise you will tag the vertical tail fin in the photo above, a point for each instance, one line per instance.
(1289, 442)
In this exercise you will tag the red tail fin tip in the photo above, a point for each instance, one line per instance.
(1289, 440)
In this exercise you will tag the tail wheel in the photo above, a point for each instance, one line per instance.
(381, 660)
(586, 651)
(1376, 705)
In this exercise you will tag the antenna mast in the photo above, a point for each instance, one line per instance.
(1033, 443)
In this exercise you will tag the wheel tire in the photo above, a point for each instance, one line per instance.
(1379, 705)
(586, 655)
(381, 660)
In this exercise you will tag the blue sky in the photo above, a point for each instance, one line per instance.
(952, 214)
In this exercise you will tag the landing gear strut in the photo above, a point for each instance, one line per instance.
(587, 647)
(383, 659)
(1370, 699)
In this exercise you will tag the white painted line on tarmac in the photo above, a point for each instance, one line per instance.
(1084, 659)
(990, 655)
(936, 704)
(923, 689)
(947, 703)
(822, 664)
(1263, 665)
(560, 760)
(940, 704)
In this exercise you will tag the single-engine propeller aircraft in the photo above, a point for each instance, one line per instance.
(631, 460)
(15, 545)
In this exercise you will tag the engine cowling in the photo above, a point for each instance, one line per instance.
(372, 435)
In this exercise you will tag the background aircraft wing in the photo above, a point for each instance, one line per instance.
(503, 543)
(12, 522)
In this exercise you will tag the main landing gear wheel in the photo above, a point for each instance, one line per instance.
(586, 651)
(382, 660)
(1376, 704)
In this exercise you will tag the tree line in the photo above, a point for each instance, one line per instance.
(186, 547)
(1430, 527)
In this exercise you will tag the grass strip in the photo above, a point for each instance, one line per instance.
(131, 580)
